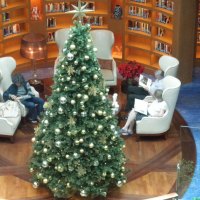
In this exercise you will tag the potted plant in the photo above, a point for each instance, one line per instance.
(130, 72)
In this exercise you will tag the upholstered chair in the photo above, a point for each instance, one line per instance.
(169, 65)
(159, 125)
(103, 40)
(8, 124)
(61, 36)
(7, 66)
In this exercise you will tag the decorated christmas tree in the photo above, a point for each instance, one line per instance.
(76, 148)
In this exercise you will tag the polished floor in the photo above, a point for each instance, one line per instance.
(151, 163)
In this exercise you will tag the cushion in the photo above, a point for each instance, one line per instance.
(107, 75)
(105, 64)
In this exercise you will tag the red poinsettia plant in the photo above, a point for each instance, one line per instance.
(130, 70)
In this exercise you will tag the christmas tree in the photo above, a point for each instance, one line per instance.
(76, 148)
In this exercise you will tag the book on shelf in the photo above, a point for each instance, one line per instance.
(144, 81)
(141, 106)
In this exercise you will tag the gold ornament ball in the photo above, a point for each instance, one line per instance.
(35, 185)
(87, 57)
(100, 128)
(81, 151)
(68, 78)
(104, 174)
(112, 175)
(45, 150)
(77, 142)
(109, 156)
(91, 145)
(79, 95)
(67, 156)
(73, 102)
(81, 140)
(57, 89)
(31, 170)
(100, 112)
(45, 180)
(95, 76)
(68, 185)
(72, 47)
(57, 131)
(85, 97)
(86, 87)
(33, 139)
(106, 147)
(83, 68)
(93, 115)
(73, 82)
(83, 132)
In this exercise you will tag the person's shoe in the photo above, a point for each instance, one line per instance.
(122, 130)
(33, 121)
(126, 132)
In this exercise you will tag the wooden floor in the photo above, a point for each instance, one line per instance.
(151, 162)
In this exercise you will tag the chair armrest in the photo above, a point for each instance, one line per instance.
(35, 92)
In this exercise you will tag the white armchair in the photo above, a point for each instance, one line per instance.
(169, 65)
(61, 36)
(8, 124)
(103, 40)
(159, 125)
(7, 66)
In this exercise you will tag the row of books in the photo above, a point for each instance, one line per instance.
(64, 6)
(51, 22)
(162, 47)
(4, 3)
(140, 1)
(162, 18)
(160, 31)
(166, 4)
(93, 20)
(51, 36)
(139, 11)
(57, 7)
(139, 26)
(11, 29)
(5, 16)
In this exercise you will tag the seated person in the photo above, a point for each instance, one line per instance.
(20, 90)
(156, 108)
(138, 92)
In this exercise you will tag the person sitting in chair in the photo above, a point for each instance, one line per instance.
(156, 108)
(20, 90)
(138, 92)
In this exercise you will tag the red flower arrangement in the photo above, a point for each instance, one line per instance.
(130, 70)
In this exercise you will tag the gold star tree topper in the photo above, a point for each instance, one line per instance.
(79, 11)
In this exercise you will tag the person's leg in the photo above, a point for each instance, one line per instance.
(131, 118)
(137, 90)
(40, 104)
(32, 113)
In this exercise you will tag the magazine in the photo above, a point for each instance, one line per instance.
(144, 81)
(141, 106)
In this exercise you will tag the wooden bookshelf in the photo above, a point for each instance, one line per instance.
(178, 35)
(14, 25)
